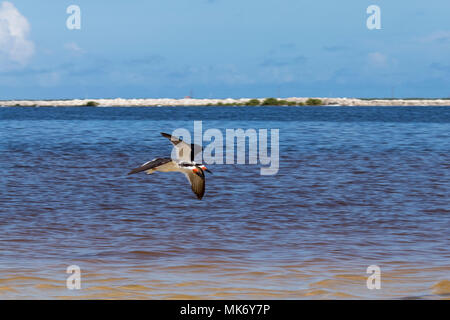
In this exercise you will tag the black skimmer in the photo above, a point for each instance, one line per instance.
(184, 163)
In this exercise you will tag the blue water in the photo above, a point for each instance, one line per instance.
(356, 187)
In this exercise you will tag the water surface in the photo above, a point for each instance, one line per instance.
(356, 187)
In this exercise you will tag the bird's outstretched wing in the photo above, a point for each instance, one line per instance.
(197, 181)
(155, 163)
(185, 152)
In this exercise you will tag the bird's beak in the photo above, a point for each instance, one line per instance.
(206, 169)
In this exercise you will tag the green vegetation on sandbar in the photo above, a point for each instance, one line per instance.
(282, 102)
(24, 105)
(253, 102)
(92, 104)
(272, 102)
(268, 102)
(314, 102)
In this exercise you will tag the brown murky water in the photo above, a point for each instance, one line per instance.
(214, 280)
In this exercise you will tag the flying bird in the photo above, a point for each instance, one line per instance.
(184, 163)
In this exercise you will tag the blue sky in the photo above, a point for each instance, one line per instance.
(224, 48)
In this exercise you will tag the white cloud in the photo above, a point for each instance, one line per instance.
(378, 59)
(438, 36)
(73, 47)
(15, 47)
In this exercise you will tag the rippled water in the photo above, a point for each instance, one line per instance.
(356, 187)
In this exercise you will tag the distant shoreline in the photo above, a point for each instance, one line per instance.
(293, 101)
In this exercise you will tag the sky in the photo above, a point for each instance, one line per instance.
(224, 48)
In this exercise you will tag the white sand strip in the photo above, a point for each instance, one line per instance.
(203, 102)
